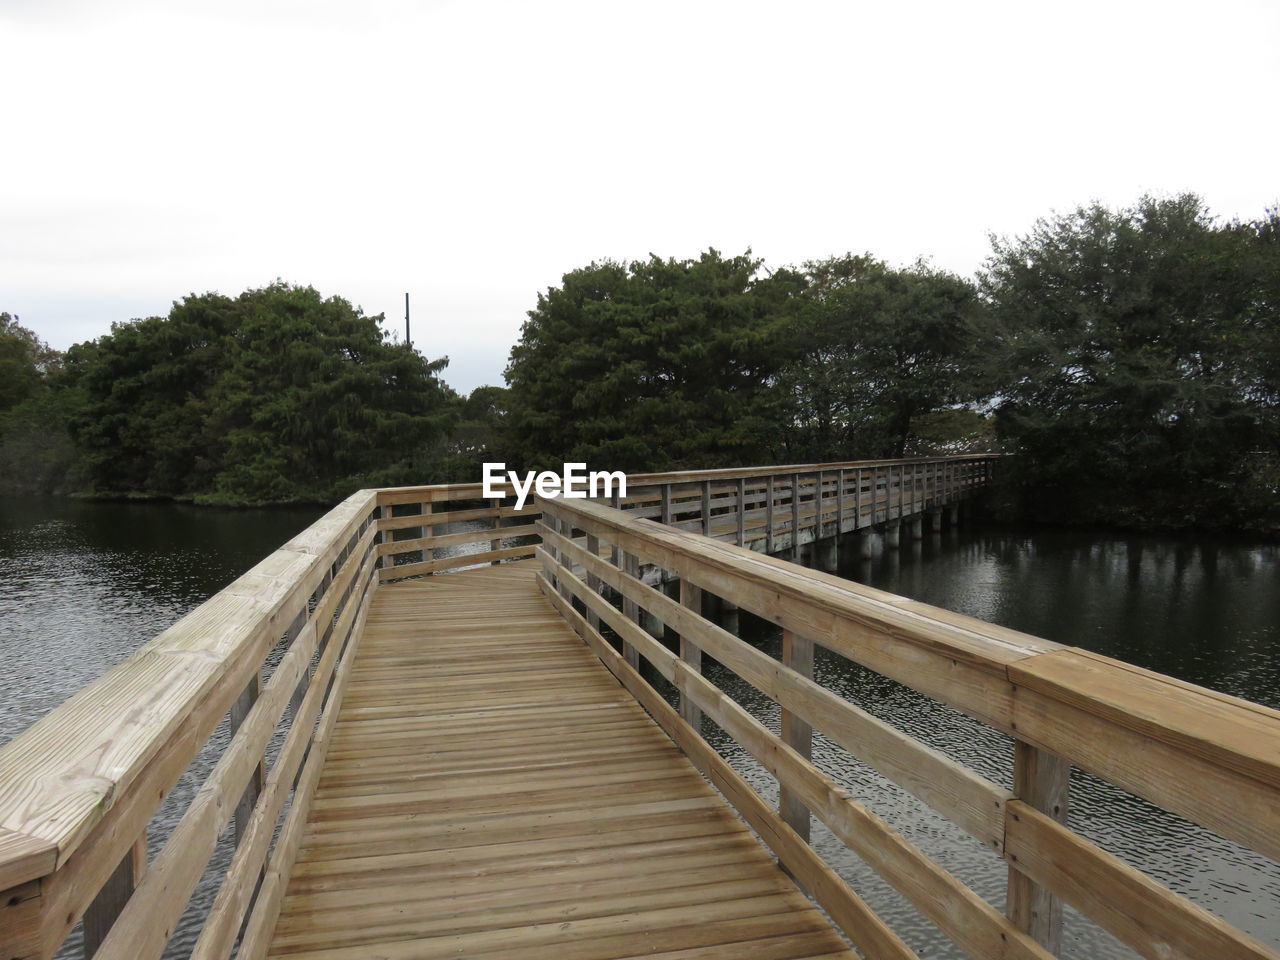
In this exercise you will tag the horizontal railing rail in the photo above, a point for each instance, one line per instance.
(1205, 756)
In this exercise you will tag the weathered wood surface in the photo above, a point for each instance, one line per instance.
(489, 788)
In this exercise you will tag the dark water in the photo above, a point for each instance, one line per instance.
(82, 585)
(1206, 611)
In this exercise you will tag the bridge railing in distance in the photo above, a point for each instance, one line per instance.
(433, 529)
(430, 530)
(1211, 758)
(776, 509)
(252, 674)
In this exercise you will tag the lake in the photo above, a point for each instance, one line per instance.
(83, 584)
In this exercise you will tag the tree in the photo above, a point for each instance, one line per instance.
(25, 362)
(477, 437)
(1123, 348)
(278, 395)
(873, 349)
(649, 365)
(36, 452)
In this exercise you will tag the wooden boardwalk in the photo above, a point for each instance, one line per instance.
(467, 767)
(491, 790)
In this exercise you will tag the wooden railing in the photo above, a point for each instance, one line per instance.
(1205, 756)
(419, 524)
(773, 509)
(78, 789)
(777, 509)
(270, 654)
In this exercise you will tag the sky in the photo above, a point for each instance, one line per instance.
(471, 154)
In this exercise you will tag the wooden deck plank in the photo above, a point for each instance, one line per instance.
(492, 791)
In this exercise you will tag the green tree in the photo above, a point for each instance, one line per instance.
(36, 452)
(477, 437)
(277, 395)
(25, 362)
(1125, 353)
(872, 350)
(649, 365)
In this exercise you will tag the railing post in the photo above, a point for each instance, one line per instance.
(797, 654)
(385, 536)
(615, 554)
(427, 531)
(768, 514)
(795, 516)
(564, 527)
(841, 501)
(239, 710)
(494, 545)
(593, 582)
(690, 597)
(1040, 780)
(742, 512)
(706, 508)
(818, 493)
(631, 609)
(551, 565)
(666, 504)
(857, 498)
(300, 621)
(101, 914)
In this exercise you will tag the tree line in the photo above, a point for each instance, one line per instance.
(1130, 357)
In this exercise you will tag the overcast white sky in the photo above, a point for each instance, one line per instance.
(472, 153)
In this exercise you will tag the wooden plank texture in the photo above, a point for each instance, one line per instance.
(492, 790)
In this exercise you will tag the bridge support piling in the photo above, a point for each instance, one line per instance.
(729, 616)
(828, 553)
(892, 534)
(862, 544)
(917, 527)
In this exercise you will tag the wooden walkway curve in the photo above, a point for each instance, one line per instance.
(491, 790)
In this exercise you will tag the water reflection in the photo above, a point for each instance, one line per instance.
(83, 585)
(1206, 611)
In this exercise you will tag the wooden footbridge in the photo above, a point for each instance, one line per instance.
(447, 728)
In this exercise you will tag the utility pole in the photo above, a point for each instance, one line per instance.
(407, 342)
